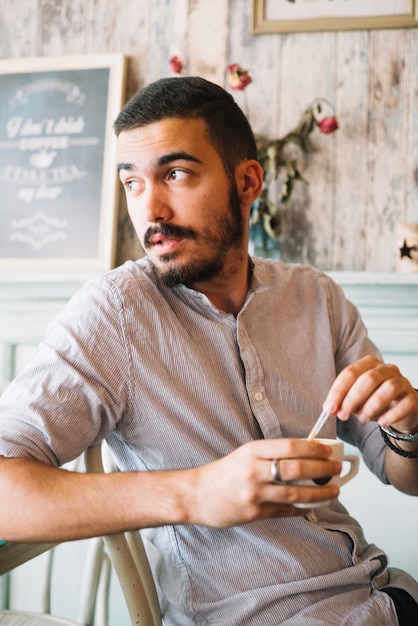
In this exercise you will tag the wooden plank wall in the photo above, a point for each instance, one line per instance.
(363, 180)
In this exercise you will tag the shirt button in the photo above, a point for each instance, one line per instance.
(312, 517)
(258, 395)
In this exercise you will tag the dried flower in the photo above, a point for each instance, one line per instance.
(239, 78)
(176, 65)
(274, 155)
(280, 164)
(328, 125)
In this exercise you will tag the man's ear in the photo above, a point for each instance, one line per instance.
(249, 178)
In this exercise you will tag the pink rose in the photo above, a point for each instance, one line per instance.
(328, 125)
(176, 65)
(238, 77)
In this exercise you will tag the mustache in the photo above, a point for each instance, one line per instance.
(168, 230)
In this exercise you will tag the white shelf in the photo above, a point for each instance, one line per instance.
(374, 278)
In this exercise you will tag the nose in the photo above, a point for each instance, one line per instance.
(155, 205)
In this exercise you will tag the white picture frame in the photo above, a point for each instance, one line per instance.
(58, 182)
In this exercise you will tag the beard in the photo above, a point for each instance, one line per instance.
(229, 234)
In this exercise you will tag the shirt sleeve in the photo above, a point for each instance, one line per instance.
(350, 332)
(353, 344)
(74, 392)
(367, 438)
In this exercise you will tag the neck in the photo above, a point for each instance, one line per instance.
(228, 293)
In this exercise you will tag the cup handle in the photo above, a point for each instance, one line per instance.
(354, 461)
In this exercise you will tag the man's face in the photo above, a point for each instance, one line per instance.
(185, 211)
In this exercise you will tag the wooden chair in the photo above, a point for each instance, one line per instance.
(93, 605)
(125, 551)
(129, 558)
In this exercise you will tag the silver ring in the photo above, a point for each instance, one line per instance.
(275, 472)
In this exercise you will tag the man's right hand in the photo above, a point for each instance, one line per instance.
(239, 488)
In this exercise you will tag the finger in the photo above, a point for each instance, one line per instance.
(292, 494)
(344, 382)
(386, 395)
(269, 449)
(287, 470)
(406, 406)
(357, 383)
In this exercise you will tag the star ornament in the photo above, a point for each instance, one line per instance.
(406, 250)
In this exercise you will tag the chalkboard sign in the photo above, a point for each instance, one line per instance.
(58, 184)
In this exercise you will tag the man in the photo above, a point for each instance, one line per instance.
(205, 371)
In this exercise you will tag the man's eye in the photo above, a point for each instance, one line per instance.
(177, 174)
(131, 185)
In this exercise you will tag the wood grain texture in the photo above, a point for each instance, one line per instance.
(62, 27)
(388, 102)
(18, 28)
(363, 180)
(349, 214)
(208, 39)
(411, 173)
(14, 554)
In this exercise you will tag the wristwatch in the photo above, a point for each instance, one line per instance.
(395, 434)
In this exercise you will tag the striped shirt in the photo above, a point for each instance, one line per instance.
(172, 382)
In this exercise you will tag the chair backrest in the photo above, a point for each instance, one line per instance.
(125, 551)
(128, 556)
(93, 603)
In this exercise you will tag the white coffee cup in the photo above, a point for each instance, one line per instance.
(339, 480)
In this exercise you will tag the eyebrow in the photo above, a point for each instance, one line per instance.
(163, 160)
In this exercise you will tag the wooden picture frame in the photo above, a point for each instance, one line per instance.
(58, 182)
(286, 16)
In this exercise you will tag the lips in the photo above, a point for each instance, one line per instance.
(167, 236)
(165, 244)
(162, 240)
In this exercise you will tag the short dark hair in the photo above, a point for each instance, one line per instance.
(193, 97)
